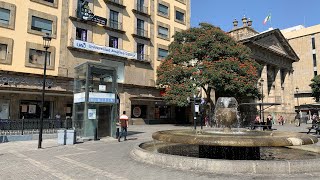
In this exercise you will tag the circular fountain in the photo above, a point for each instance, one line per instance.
(222, 149)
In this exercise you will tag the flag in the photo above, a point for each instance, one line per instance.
(268, 18)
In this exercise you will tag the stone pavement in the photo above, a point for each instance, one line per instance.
(105, 159)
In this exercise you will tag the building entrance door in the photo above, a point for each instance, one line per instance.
(104, 120)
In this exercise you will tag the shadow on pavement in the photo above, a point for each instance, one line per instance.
(133, 133)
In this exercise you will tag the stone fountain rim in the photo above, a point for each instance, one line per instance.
(280, 167)
(268, 139)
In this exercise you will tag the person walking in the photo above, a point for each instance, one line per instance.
(124, 126)
(281, 120)
(297, 119)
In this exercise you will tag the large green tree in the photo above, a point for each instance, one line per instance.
(209, 58)
(315, 86)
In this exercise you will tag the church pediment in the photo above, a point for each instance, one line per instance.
(274, 41)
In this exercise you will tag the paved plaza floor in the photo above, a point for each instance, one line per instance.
(106, 159)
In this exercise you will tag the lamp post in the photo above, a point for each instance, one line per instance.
(46, 44)
(261, 110)
(297, 91)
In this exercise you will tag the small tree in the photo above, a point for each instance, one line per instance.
(209, 58)
(315, 86)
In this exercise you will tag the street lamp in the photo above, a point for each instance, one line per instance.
(261, 110)
(46, 44)
(297, 91)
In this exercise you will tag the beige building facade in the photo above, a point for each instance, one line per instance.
(130, 36)
(273, 52)
(304, 40)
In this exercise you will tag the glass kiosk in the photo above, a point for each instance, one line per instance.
(95, 101)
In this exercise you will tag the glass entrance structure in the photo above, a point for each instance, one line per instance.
(95, 101)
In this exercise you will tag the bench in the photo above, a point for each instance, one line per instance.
(261, 127)
(316, 128)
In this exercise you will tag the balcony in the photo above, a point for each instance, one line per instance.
(141, 9)
(141, 33)
(143, 57)
(114, 25)
(118, 3)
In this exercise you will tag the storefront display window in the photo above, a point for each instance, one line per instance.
(138, 111)
(4, 109)
(32, 109)
(162, 112)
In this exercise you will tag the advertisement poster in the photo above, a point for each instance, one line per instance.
(92, 113)
(32, 109)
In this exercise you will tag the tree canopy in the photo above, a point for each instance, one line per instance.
(209, 58)
(315, 86)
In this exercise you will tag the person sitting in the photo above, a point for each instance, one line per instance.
(256, 121)
(269, 121)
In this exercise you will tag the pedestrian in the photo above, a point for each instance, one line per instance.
(269, 121)
(281, 120)
(124, 126)
(297, 119)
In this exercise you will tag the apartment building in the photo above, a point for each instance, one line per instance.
(304, 40)
(130, 36)
(22, 26)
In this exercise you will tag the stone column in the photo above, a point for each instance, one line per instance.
(264, 76)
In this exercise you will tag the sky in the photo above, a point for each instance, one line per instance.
(284, 13)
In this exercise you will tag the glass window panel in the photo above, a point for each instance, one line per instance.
(163, 31)
(162, 53)
(163, 9)
(42, 25)
(51, 1)
(81, 34)
(313, 43)
(3, 51)
(140, 24)
(179, 16)
(113, 42)
(37, 57)
(314, 56)
(4, 16)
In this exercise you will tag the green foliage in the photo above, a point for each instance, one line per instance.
(207, 57)
(315, 86)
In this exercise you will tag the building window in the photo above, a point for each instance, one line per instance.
(179, 16)
(37, 57)
(114, 16)
(41, 25)
(313, 42)
(140, 51)
(3, 51)
(314, 60)
(163, 10)
(4, 16)
(163, 32)
(162, 53)
(81, 34)
(113, 42)
(50, 1)
(315, 73)
(30, 109)
(140, 27)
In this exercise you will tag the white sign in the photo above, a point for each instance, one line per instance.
(196, 108)
(136, 111)
(95, 97)
(102, 87)
(32, 109)
(92, 113)
(103, 49)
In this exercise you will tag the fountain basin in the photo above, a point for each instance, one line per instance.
(148, 153)
(235, 138)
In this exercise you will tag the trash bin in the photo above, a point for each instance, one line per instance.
(62, 137)
(71, 136)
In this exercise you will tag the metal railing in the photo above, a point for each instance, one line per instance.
(115, 24)
(141, 8)
(120, 2)
(31, 126)
(141, 32)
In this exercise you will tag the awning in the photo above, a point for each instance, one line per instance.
(314, 106)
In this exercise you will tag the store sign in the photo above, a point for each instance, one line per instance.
(136, 111)
(95, 97)
(85, 13)
(16, 80)
(104, 49)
